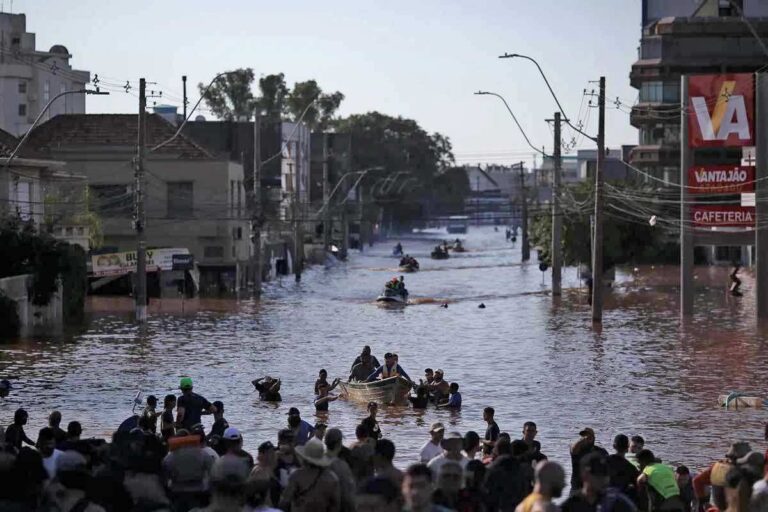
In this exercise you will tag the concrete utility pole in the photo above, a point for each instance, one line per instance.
(557, 219)
(327, 225)
(525, 247)
(761, 195)
(296, 222)
(257, 212)
(597, 246)
(361, 212)
(141, 237)
(184, 86)
(686, 233)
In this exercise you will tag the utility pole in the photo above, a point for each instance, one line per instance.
(557, 220)
(326, 193)
(361, 212)
(256, 214)
(184, 86)
(597, 244)
(296, 223)
(525, 248)
(686, 231)
(141, 237)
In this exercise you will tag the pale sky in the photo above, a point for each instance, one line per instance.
(421, 59)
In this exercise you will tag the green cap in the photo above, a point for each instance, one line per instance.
(186, 382)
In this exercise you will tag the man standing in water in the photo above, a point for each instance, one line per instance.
(580, 449)
(370, 422)
(191, 406)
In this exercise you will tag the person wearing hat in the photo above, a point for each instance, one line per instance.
(191, 406)
(714, 477)
(580, 449)
(594, 493)
(366, 352)
(302, 430)
(312, 487)
(390, 368)
(233, 446)
(431, 448)
(660, 483)
(452, 445)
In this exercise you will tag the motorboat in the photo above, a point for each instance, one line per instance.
(458, 247)
(390, 296)
(408, 268)
(394, 390)
(439, 254)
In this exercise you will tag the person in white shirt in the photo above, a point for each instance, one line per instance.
(431, 448)
(452, 445)
(46, 445)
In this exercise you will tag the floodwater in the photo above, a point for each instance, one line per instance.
(644, 373)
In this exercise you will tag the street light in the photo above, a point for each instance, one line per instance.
(40, 116)
(487, 93)
(551, 91)
(362, 174)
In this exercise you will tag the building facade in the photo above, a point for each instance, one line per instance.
(681, 37)
(30, 78)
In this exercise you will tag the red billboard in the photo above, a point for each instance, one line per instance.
(721, 110)
(721, 179)
(723, 215)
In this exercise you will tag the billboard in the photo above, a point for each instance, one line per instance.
(118, 263)
(721, 179)
(723, 215)
(721, 110)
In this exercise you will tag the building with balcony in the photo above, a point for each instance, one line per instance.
(30, 78)
(681, 37)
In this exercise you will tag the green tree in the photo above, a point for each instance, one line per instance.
(230, 97)
(320, 108)
(272, 96)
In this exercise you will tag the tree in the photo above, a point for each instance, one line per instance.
(273, 95)
(320, 108)
(230, 97)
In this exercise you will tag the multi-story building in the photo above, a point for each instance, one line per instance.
(682, 37)
(193, 199)
(30, 78)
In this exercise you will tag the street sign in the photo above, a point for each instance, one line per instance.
(722, 110)
(183, 262)
(723, 215)
(721, 179)
(748, 199)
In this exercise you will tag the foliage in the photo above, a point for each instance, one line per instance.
(73, 204)
(9, 317)
(624, 241)
(449, 191)
(231, 98)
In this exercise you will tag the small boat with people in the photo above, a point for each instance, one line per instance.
(439, 253)
(458, 246)
(394, 390)
(394, 292)
(408, 264)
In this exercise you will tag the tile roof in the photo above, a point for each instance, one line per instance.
(7, 143)
(73, 130)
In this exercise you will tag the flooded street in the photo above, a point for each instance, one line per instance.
(645, 373)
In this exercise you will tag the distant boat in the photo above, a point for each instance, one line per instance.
(394, 390)
(390, 296)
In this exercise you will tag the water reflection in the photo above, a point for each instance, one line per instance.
(531, 358)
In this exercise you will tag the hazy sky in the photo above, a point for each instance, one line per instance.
(421, 59)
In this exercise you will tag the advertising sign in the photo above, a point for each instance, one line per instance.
(723, 215)
(118, 263)
(721, 110)
(183, 262)
(721, 179)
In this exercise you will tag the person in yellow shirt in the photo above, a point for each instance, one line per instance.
(550, 482)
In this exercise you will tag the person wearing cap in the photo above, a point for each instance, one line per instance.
(220, 424)
(370, 422)
(714, 477)
(389, 369)
(622, 473)
(5, 388)
(228, 478)
(14, 434)
(549, 484)
(595, 495)
(363, 369)
(302, 430)
(366, 352)
(660, 483)
(191, 406)
(431, 448)
(233, 446)
(452, 445)
(313, 487)
(333, 449)
(265, 470)
(580, 449)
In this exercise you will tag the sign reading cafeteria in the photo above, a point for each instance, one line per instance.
(118, 263)
(721, 179)
(723, 215)
(722, 110)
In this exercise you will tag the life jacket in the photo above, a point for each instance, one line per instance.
(176, 443)
(386, 373)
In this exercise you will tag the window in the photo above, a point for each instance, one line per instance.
(112, 200)
(180, 196)
(237, 233)
(46, 91)
(22, 109)
(660, 92)
(22, 87)
(213, 251)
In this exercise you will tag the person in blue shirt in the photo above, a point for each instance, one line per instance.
(302, 430)
(390, 368)
(454, 402)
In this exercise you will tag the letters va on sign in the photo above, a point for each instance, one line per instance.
(721, 110)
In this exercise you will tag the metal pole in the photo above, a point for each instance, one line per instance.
(556, 215)
(184, 86)
(761, 196)
(525, 247)
(141, 240)
(256, 218)
(360, 199)
(326, 195)
(296, 223)
(344, 231)
(597, 248)
(686, 234)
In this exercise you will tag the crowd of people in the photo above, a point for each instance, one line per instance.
(164, 460)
